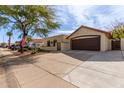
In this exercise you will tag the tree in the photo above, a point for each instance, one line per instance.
(9, 34)
(29, 20)
(117, 30)
(3, 44)
(29, 39)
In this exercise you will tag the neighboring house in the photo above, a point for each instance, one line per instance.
(17, 42)
(58, 42)
(87, 38)
(36, 43)
(4, 44)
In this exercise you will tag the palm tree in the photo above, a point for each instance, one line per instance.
(9, 34)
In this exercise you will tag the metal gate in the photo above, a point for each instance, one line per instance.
(116, 45)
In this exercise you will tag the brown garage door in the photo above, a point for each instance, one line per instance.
(86, 44)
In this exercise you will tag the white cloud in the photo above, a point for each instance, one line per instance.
(117, 12)
(96, 16)
(80, 13)
(65, 32)
(83, 15)
(62, 14)
(106, 19)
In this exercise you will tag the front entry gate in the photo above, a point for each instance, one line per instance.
(116, 45)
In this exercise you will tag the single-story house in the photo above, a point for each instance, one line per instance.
(87, 38)
(36, 43)
(84, 38)
(17, 42)
(58, 42)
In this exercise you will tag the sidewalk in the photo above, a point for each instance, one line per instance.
(19, 73)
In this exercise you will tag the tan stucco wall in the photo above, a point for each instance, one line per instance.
(60, 39)
(110, 44)
(106, 43)
(65, 46)
(48, 48)
(85, 31)
(122, 44)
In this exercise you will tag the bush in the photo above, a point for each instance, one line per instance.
(29, 48)
(41, 50)
(24, 49)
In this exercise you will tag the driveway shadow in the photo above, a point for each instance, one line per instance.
(18, 59)
(4, 56)
(94, 56)
(10, 60)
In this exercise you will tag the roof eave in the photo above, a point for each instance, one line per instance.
(107, 33)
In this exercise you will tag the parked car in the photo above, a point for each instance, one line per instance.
(17, 47)
(13, 47)
(7, 46)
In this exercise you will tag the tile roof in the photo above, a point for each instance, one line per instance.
(37, 40)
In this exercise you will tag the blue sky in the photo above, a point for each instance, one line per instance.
(71, 17)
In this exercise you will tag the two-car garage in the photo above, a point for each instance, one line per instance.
(87, 38)
(86, 43)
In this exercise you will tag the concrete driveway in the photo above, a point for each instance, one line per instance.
(21, 71)
(67, 69)
(104, 69)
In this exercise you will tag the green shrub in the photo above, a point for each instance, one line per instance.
(41, 50)
(24, 49)
(29, 48)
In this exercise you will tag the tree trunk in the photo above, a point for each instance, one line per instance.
(9, 42)
(23, 43)
(21, 48)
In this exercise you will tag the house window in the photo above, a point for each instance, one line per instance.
(48, 43)
(54, 42)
